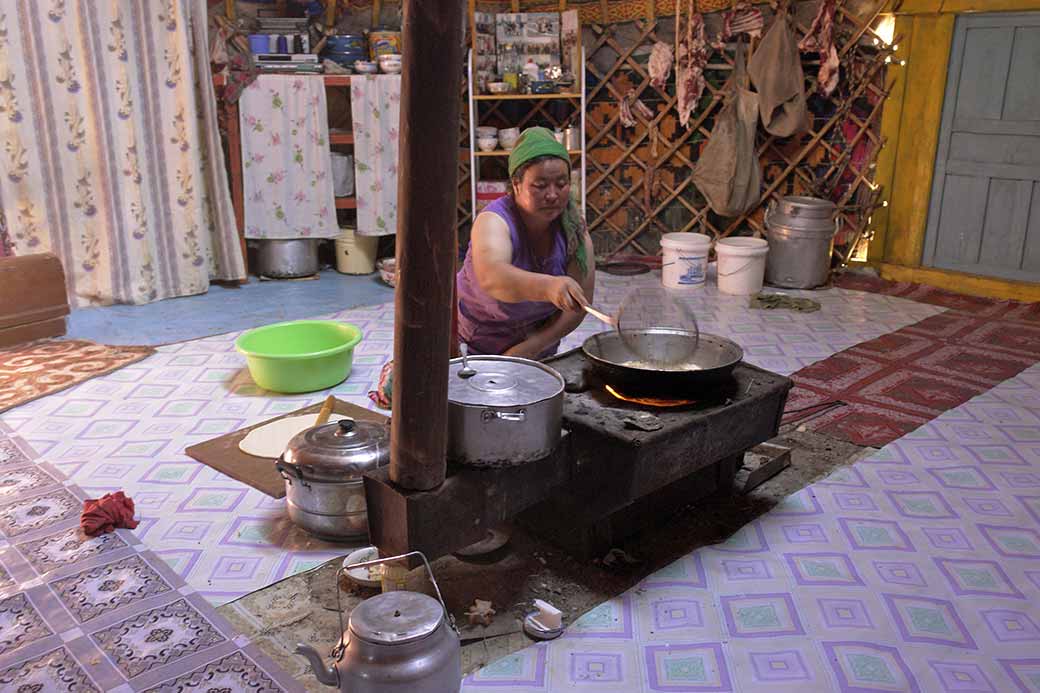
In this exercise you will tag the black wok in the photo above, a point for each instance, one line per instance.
(710, 365)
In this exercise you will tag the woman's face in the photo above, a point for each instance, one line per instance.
(544, 189)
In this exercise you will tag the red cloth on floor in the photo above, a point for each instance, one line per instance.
(102, 515)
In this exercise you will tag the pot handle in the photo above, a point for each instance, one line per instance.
(514, 416)
(290, 472)
(338, 651)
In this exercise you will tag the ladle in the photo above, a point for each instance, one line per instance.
(465, 371)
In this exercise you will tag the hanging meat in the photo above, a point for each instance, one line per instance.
(660, 64)
(820, 39)
(776, 72)
(629, 102)
(742, 19)
(691, 55)
(728, 172)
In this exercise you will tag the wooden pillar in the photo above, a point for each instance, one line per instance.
(426, 244)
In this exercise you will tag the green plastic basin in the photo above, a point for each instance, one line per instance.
(300, 356)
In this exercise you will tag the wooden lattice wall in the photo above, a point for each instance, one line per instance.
(827, 161)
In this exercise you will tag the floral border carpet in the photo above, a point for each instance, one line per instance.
(30, 371)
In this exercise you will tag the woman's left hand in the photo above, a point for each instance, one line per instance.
(523, 350)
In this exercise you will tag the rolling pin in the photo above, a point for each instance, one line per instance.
(326, 411)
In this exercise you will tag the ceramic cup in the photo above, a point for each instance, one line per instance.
(487, 144)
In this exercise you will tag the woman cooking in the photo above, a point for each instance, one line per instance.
(529, 270)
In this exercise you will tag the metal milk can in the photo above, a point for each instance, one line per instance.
(395, 642)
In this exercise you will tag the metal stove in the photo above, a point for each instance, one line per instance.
(619, 463)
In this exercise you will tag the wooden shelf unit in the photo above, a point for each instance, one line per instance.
(576, 99)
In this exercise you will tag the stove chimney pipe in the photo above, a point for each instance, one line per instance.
(426, 240)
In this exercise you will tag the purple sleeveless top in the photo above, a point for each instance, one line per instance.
(490, 326)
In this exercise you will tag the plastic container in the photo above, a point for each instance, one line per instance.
(381, 42)
(299, 356)
(741, 265)
(685, 261)
(259, 43)
(342, 174)
(356, 254)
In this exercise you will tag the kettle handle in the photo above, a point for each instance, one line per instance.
(338, 651)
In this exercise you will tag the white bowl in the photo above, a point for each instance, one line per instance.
(498, 87)
(389, 60)
(365, 67)
(487, 144)
(508, 137)
(390, 68)
(486, 131)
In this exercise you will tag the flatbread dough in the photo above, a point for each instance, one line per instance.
(270, 440)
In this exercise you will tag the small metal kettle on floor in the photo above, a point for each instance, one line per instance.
(395, 642)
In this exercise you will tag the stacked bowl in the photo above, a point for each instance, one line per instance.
(487, 138)
(346, 49)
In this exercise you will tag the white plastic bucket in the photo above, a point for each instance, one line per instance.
(356, 254)
(742, 265)
(342, 174)
(685, 261)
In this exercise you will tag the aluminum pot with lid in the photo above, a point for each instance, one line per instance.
(800, 231)
(507, 412)
(322, 468)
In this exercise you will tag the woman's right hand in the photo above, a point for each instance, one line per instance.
(567, 294)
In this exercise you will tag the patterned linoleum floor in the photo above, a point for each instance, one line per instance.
(105, 613)
(128, 430)
(917, 569)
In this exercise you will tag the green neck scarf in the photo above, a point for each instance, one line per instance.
(536, 142)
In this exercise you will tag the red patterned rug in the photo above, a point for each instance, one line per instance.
(880, 390)
(30, 371)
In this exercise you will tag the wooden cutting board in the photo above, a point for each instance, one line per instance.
(223, 454)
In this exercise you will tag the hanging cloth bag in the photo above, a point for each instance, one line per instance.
(728, 173)
(776, 72)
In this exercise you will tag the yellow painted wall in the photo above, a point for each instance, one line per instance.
(910, 127)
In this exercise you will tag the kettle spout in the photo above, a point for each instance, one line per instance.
(327, 675)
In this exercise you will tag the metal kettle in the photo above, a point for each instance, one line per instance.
(395, 642)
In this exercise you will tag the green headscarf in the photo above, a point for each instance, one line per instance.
(536, 142)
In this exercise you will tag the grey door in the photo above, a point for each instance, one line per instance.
(984, 215)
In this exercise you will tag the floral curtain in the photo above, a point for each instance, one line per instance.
(375, 104)
(109, 147)
(286, 161)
